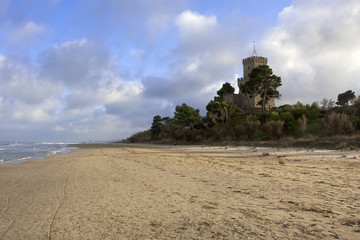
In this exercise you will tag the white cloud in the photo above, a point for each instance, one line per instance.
(315, 49)
(58, 128)
(194, 24)
(22, 83)
(79, 62)
(27, 32)
(207, 53)
(69, 93)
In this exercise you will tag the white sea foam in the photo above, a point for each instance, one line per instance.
(12, 153)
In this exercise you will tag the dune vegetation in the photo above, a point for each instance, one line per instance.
(326, 124)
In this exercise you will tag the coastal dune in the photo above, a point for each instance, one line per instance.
(157, 192)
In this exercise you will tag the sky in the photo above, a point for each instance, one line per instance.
(99, 70)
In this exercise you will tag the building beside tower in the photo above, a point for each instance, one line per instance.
(240, 99)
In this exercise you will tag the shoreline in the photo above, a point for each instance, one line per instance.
(23, 152)
(140, 192)
(346, 143)
(339, 142)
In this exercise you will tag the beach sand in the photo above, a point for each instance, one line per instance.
(189, 192)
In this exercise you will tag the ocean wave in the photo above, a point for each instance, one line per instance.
(55, 152)
(54, 143)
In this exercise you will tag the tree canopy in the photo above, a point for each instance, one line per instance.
(225, 89)
(156, 126)
(221, 110)
(187, 116)
(264, 83)
(344, 98)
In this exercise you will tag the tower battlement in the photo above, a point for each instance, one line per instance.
(249, 64)
(255, 59)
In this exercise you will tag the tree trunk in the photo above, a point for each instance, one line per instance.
(264, 101)
(226, 115)
(248, 99)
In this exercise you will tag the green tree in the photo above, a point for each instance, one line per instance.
(225, 89)
(357, 106)
(310, 111)
(221, 111)
(290, 122)
(344, 98)
(185, 115)
(327, 104)
(156, 126)
(262, 82)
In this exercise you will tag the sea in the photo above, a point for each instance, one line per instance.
(17, 152)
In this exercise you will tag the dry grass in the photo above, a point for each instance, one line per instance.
(302, 122)
(251, 128)
(339, 123)
(274, 128)
(277, 127)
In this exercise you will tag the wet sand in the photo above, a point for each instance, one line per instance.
(157, 192)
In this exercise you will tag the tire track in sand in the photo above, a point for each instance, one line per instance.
(57, 209)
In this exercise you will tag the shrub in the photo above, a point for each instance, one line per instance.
(194, 135)
(177, 134)
(273, 128)
(252, 118)
(143, 136)
(263, 117)
(266, 127)
(355, 121)
(302, 122)
(274, 116)
(290, 123)
(312, 113)
(239, 130)
(339, 123)
(277, 128)
(316, 127)
(298, 111)
(251, 127)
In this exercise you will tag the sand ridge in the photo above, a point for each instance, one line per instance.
(179, 192)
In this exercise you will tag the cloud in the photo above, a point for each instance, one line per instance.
(27, 32)
(74, 63)
(58, 128)
(193, 24)
(137, 19)
(23, 84)
(69, 93)
(207, 53)
(314, 49)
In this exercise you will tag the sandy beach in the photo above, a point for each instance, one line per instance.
(192, 192)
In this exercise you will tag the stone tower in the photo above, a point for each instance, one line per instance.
(249, 64)
(240, 99)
